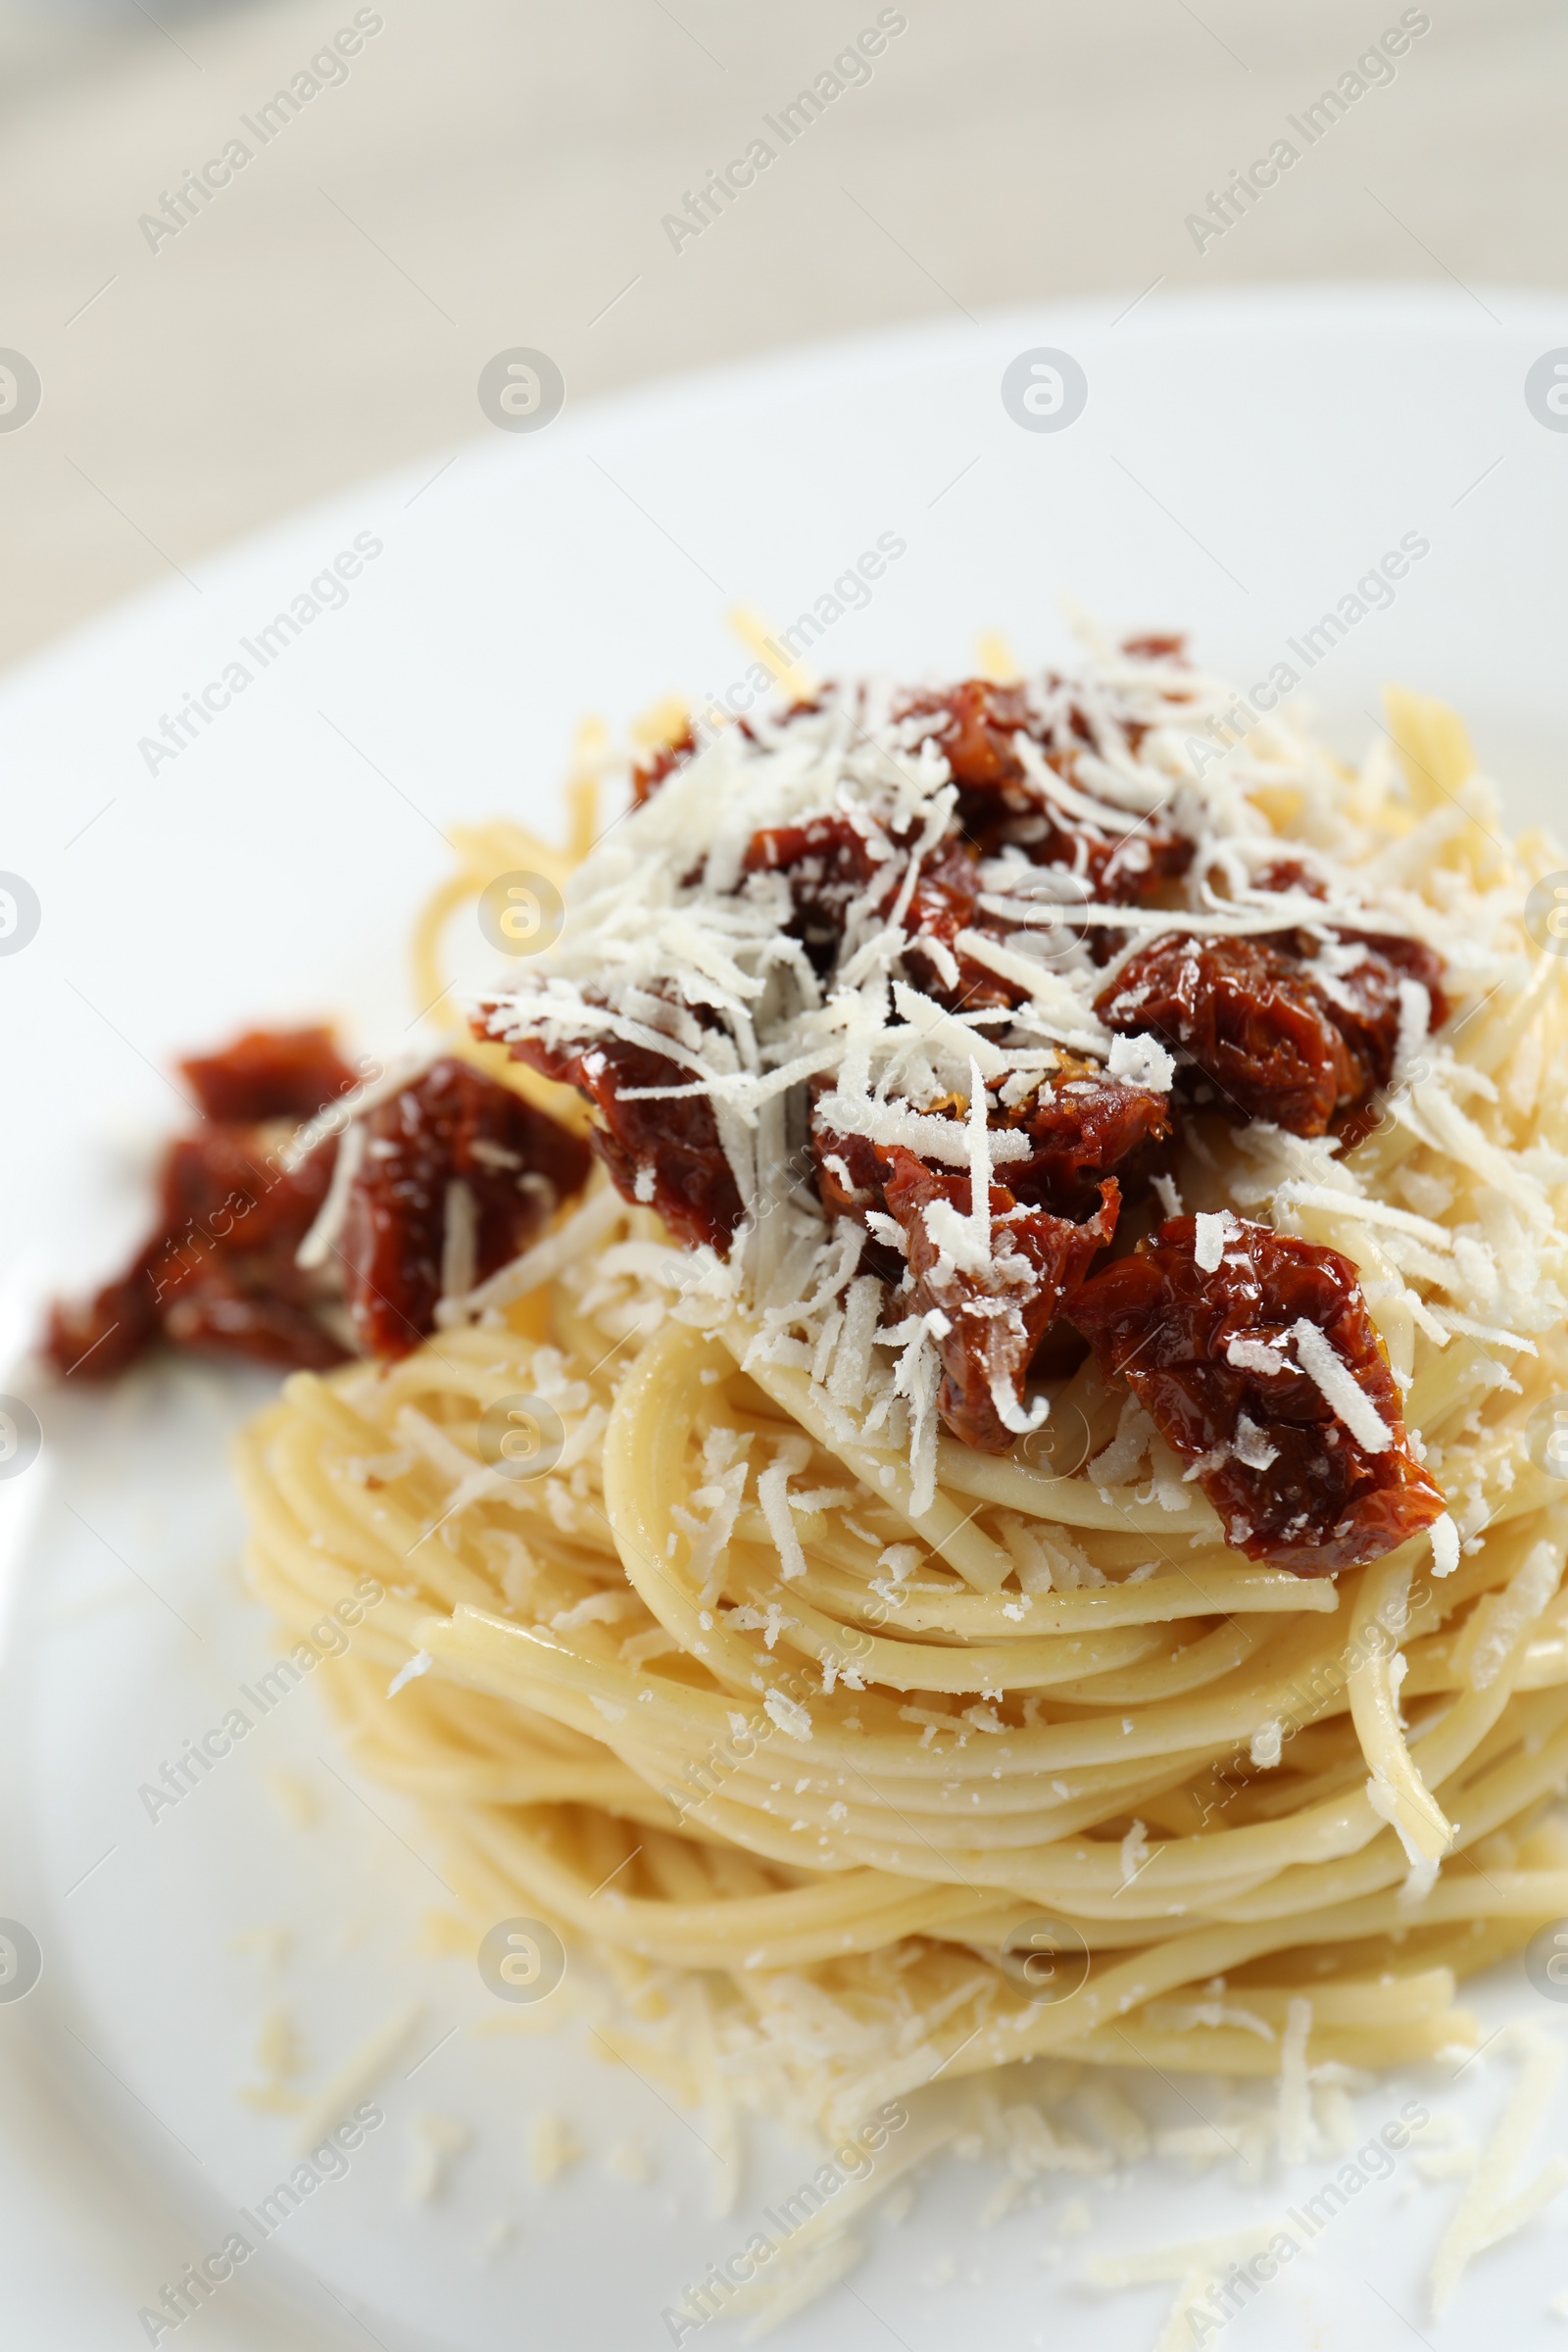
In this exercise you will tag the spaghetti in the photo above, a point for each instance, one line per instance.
(902, 1756)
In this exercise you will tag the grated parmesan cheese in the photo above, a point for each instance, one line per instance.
(1323, 1364)
(437, 2139)
(1444, 1537)
(1296, 2131)
(420, 1663)
(1213, 1234)
(320, 1241)
(792, 1718)
(1265, 1745)
(1142, 1061)
(1485, 2213)
(356, 2078)
(553, 2147)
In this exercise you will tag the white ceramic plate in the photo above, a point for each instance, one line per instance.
(1240, 465)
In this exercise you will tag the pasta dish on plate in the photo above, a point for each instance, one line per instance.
(950, 1390)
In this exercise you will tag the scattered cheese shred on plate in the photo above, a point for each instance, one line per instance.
(553, 2147)
(356, 2076)
(1486, 2213)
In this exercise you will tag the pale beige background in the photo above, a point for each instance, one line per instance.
(494, 173)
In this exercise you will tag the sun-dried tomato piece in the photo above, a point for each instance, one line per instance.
(944, 905)
(102, 1337)
(1118, 863)
(234, 1217)
(849, 1177)
(455, 1176)
(231, 1218)
(999, 1311)
(1389, 960)
(269, 1074)
(198, 1295)
(828, 861)
(1281, 1027)
(230, 1184)
(1290, 873)
(974, 723)
(831, 849)
(1055, 1211)
(1081, 1131)
(650, 770)
(1221, 1360)
(1415, 960)
(1120, 859)
(1254, 1027)
(849, 1174)
(222, 1269)
(664, 1153)
(220, 1304)
(1155, 647)
(1363, 1004)
(1365, 999)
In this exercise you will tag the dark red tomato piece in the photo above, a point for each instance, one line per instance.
(1290, 873)
(1120, 859)
(455, 1176)
(1415, 960)
(974, 723)
(942, 906)
(231, 1218)
(1252, 1023)
(1274, 1037)
(1371, 1020)
(269, 1074)
(849, 1177)
(215, 1300)
(997, 1317)
(1118, 862)
(1365, 1005)
(102, 1337)
(230, 1184)
(1223, 1361)
(650, 770)
(1081, 1131)
(849, 1174)
(664, 1153)
(827, 861)
(221, 1272)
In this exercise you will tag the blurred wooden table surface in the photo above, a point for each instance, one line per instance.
(485, 174)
